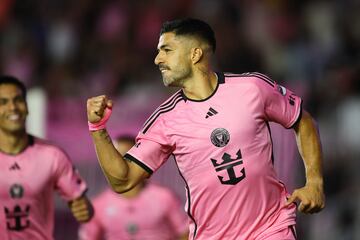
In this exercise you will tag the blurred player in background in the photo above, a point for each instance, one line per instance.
(146, 212)
(217, 128)
(31, 170)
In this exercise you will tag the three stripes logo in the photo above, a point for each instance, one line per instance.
(211, 112)
(15, 166)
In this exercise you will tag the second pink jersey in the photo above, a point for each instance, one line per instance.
(27, 184)
(223, 149)
(153, 214)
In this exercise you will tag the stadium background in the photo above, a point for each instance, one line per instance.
(67, 51)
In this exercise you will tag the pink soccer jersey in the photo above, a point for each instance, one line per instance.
(154, 214)
(223, 149)
(27, 183)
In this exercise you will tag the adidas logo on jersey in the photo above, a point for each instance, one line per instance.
(211, 112)
(15, 166)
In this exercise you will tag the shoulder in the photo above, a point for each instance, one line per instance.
(46, 146)
(248, 77)
(167, 107)
(104, 197)
(170, 104)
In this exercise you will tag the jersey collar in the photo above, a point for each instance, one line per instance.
(31, 142)
(220, 80)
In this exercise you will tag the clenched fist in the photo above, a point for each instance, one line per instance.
(96, 107)
(81, 209)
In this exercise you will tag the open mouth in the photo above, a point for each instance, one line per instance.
(14, 117)
(163, 68)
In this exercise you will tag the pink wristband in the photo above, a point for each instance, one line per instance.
(101, 124)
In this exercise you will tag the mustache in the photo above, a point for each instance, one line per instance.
(163, 67)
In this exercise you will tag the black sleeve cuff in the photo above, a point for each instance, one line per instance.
(299, 117)
(141, 164)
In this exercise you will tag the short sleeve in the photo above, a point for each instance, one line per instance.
(281, 105)
(68, 181)
(152, 148)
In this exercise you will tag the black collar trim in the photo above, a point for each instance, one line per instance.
(220, 80)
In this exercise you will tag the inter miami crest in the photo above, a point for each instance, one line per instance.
(16, 191)
(220, 137)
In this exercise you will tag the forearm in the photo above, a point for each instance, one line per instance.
(311, 196)
(309, 146)
(112, 163)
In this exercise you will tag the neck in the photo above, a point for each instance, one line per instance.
(13, 143)
(201, 85)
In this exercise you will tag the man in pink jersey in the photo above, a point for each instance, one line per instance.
(146, 212)
(217, 128)
(30, 171)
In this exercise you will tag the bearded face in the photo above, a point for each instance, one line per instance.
(173, 60)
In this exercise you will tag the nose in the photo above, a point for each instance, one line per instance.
(158, 59)
(12, 105)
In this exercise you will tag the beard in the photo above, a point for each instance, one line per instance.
(176, 78)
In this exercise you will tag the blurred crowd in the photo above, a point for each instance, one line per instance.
(77, 49)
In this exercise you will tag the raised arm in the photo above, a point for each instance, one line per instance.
(121, 174)
(311, 196)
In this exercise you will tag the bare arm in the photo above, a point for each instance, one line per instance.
(121, 174)
(311, 196)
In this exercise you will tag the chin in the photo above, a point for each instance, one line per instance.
(16, 129)
(171, 83)
(167, 82)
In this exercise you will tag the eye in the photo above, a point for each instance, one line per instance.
(19, 99)
(3, 101)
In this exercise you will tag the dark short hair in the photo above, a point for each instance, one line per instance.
(191, 27)
(14, 81)
(125, 138)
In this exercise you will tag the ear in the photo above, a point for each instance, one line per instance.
(196, 54)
